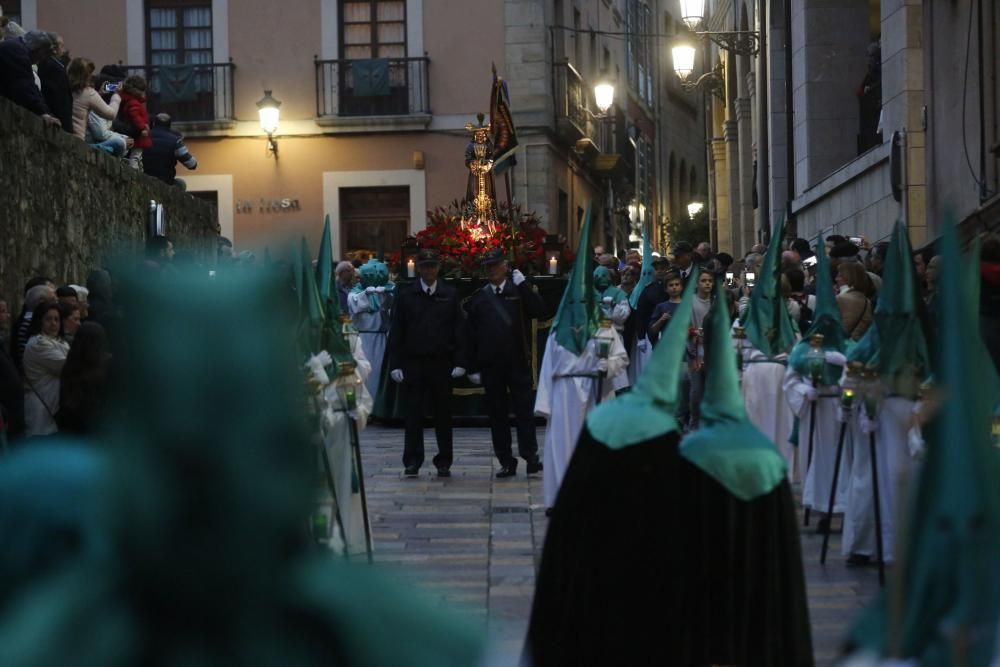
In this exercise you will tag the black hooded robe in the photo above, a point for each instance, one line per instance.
(649, 561)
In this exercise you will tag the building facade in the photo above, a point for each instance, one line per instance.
(375, 96)
(853, 115)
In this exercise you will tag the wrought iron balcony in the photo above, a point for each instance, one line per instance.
(377, 87)
(189, 93)
(577, 118)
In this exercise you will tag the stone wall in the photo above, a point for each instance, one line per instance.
(855, 200)
(65, 208)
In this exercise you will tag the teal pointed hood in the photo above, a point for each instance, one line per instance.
(826, 321)
(943, 598)
(648, 410)
(578, 315)
(897, 316)
(324, 265)
(727, 447)
(768, 325)
(647, 275)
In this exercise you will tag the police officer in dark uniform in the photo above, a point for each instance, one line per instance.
(498, 326)
(426, 352)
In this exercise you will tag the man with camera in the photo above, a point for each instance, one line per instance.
(498, 330)
(426, 352)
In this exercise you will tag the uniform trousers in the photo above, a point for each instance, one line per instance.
(497, 380)
(427, 380)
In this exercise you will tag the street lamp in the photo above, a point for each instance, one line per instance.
(683, 60)
(604, 94)
(267, 108)
(694, 208)
(692, 12)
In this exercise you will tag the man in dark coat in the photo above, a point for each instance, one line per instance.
(498, 327)
(17, 81)
(426, 352)
(55, 84)
(168, 149)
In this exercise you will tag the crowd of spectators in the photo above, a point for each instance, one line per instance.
(105, 109)
(55, 355)
(856, 268)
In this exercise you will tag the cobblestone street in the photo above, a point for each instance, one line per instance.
(475, 542)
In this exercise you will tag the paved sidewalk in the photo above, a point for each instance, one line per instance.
(475, 541)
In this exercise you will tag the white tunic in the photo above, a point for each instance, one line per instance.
(373, 327)
(894, 464)
(564, 400)
(764, 400)
(819, 475)
(339, 450)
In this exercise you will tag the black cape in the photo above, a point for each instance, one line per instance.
(649, 561)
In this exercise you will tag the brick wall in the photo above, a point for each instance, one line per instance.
(66, 208)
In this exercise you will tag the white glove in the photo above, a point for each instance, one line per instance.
(517, 277)
(642, 345)
(457, 372)
(380, 289)
(369, 290)
(317, 367)
(915, 443)
(835, 358)
(602, 365)
(396, 375)
(475, 378)
(607, 300)
(811, 394)
(868, 425)
(842, 414)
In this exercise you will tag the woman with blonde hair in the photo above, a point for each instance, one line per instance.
(855, 308)
(87, 100)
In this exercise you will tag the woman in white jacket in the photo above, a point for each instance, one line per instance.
(44, 357)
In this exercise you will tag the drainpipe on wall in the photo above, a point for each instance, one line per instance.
(763, 149)
(792, 227)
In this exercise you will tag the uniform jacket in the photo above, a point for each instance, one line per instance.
(426, 327)
(498, 327)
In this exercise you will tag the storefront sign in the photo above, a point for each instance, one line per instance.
(283, 205)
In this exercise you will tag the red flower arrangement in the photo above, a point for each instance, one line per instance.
(462, 248)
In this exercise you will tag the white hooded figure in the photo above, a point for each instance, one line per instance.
(337, 438)
(370, 303)
(582, 360)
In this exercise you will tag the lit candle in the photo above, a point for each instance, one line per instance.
(352, 399)
(553, 266)
(411, 268)
(847, 398)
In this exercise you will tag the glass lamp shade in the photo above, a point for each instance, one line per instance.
(692, 12)
(694, 208)
(267, 108)
(604, 95)
(604, 337)
(683, 60)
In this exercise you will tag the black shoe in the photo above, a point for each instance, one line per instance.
(858, 560)
(444, 471)
(535, 466)
(548, 511)
(411, 471)
(507, 471)
(823, 525)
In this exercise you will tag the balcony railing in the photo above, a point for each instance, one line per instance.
(189, 93)
(576, 112)
(384, 87)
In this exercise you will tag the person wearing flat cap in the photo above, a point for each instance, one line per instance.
(497, 330)
(426, 352)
